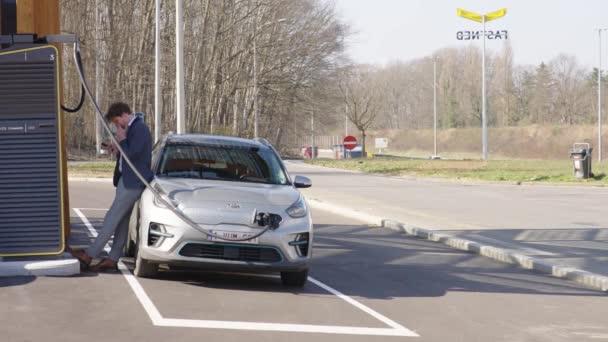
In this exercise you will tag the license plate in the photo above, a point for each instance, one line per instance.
(228, 236)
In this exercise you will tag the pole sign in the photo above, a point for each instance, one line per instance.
(350, 142)
(381, 143)
(474, 35)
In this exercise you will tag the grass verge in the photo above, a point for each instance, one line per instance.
(91, 170)
(512, 171)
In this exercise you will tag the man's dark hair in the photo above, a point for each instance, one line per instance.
(117, 109)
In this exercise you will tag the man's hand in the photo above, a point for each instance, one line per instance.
(110, 147)
(121, 133)
(113, 149)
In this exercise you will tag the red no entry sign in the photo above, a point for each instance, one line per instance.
(350, 142)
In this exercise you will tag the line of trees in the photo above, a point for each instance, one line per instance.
(558, 92)
(299, 47)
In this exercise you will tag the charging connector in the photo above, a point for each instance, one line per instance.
(273, 221)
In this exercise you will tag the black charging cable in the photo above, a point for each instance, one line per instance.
(74, 110)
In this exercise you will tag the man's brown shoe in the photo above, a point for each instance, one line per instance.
(82, 256)
(105, 264)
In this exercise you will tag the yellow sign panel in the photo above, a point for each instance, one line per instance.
(479, 17)
(469, 15)
(496, 14)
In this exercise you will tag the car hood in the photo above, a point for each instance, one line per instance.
(222, 202)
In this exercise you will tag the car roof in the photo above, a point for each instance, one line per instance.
(204, 139)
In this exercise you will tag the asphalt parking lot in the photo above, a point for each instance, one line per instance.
(367, 284)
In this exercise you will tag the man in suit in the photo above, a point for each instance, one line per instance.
(134, 138)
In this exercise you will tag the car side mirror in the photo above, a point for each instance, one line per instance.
(302, 182)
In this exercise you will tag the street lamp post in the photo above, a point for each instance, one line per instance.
(312, 134)
(599, 96)
(484, 115)
(157, 117)
(98, 80)
(345, 121)
(179, 61)
(255, 75)
(483, 19)
(255, 88)
(435, 107)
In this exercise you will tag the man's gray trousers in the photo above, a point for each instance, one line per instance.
(116, 222)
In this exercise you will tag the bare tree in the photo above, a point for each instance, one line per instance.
(360, 98)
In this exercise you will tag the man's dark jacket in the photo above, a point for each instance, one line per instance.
(138, 148)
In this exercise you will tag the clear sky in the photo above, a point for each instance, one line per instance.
(539, 30)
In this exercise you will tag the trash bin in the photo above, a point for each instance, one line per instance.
(581, 160)
(356, 152)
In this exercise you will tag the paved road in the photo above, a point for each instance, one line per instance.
(434, 291)
(562, 224)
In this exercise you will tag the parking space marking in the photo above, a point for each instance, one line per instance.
(141, 295)
(158, 320)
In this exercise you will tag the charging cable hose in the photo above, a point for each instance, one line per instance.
(156, 190)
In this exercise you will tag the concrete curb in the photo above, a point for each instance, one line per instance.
(585, 278)
(59, 267)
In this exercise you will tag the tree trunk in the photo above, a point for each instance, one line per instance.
(363, 137)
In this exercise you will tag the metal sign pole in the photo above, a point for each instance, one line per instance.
(483, 19)
(157, 105)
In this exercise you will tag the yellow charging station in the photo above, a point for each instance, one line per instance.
(34, 204)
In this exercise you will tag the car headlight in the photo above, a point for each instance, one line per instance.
(158, 203)
(298, 209)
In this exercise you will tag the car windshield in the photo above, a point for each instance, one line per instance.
(222, 162)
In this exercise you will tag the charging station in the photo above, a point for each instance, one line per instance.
(34, 210)
(31, 191)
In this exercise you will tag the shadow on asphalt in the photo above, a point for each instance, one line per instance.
(237, 281)
(15, 281)
(381, 263)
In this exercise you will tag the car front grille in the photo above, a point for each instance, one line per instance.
(231, 252)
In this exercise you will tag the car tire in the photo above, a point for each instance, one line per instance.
(143, 268)
(296, 279)
(129, 249)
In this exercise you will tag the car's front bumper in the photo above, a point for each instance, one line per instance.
(226, 255)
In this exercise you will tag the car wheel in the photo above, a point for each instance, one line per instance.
(129, 249)
(297, 279)
(143, 268)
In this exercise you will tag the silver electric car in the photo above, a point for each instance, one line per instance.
(227, 185)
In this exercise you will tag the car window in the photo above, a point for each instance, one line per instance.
(222, 162)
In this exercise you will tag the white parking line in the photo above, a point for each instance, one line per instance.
(157, 319)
